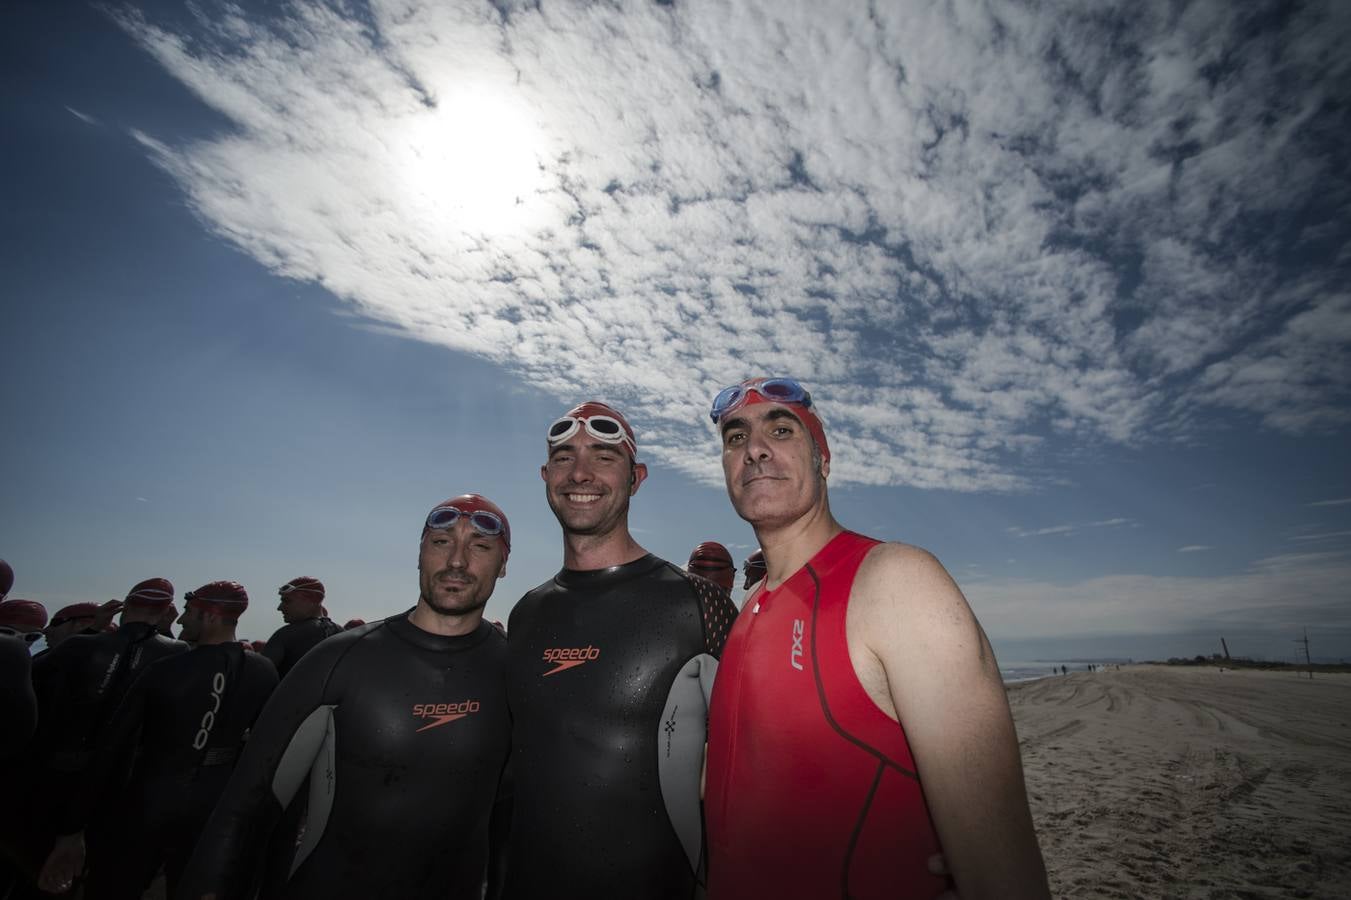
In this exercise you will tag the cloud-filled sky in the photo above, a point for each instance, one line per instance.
(1071, 281)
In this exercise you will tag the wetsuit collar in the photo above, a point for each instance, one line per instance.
(406, 630)
(600, 578)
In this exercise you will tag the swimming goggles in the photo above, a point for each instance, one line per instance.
(603, 428)
(485, 523)
(778, 390)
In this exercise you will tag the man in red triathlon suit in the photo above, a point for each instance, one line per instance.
(858, 723)
(711, 560)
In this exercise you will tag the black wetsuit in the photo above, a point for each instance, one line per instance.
(291, 642)
(18, 703)
(78, 685)
(187, 718)
(405, 735)
(609, 678)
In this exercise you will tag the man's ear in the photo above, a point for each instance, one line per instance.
(637, 477)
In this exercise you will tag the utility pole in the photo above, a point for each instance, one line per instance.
(1307, 659)
(1225, 648)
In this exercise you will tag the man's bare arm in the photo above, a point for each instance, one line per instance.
(932, 665)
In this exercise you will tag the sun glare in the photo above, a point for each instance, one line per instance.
(475, 161)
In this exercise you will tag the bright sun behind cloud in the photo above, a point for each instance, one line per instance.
(474, 164)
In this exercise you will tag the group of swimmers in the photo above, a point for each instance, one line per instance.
(630, 735)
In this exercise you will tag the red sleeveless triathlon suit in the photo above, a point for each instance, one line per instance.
(811, 788)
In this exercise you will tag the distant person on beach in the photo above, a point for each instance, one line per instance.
(177, 733)
(890, 682)
(302, 609)
(403, 728)
(610, 661)
(79, 618)
(712, 561)
(165, 625)
(753, 569)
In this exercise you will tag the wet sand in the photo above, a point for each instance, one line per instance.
(1162, 781)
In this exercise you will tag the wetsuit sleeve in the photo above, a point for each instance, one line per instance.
(499, 828)
(275, 649)
(281, 749)
(20, 704)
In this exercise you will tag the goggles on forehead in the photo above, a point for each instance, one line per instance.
(778, 390)
(712, 565)
(485, 523)
(606, 429)
(304, 588)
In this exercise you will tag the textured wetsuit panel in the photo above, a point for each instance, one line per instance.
(291, 642)
(420, 732)
(595, 657)
(188, 717)
(811, 788)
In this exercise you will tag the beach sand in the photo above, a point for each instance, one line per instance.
(1167, 781)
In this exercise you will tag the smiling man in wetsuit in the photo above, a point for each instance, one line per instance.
(402, 726)
(858, 722)
(611, 661)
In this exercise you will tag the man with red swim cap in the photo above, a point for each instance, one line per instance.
(900, 739)
(21, 623)
(610, 660)
(712, 561)
(754, 569)
(182, 723)
(78, 683)
(302, 609)
(402, 728)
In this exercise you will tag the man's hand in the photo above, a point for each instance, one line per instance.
(103, 616)
(64, 864)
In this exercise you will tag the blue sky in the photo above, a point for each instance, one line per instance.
(1070, 291)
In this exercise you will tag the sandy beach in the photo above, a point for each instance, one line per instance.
(1161, 781)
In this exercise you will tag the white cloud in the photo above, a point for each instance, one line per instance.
(1339, 502)
(973, 228)
(1194, 548)
(83, 117)
(1068, 529)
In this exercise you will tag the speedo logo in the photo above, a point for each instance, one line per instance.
(441, 713)
(569, 657)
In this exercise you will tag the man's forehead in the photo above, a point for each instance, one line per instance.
(760, 412)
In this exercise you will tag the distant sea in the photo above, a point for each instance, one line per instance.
(1030, 670)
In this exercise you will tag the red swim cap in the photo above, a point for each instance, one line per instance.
(804, 411)
(711, 555)
(754, 568)
(6, 579)
(584, 412)
(472, 503)
(22, 614)
(75, 611)
(312, 588)
(224, 598)
(353, 623)
(153, 593)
